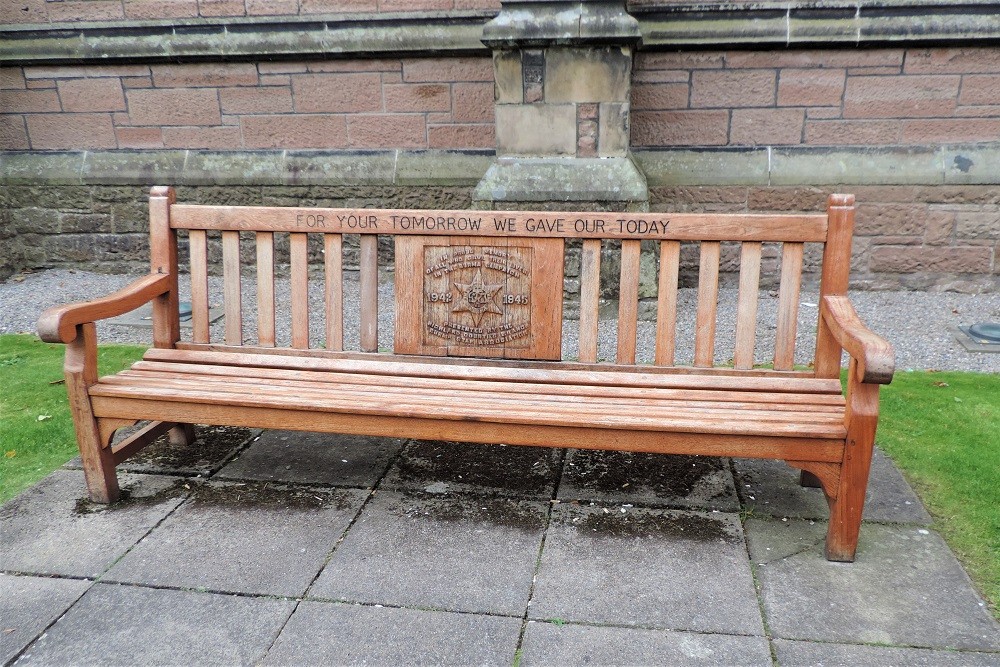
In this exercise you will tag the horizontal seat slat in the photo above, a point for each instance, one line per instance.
(578, 404)
(437, 408)
(772, 400)
(492, 371)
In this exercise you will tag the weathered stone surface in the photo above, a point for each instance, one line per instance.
(29, 604)
(474, 554)
(801, 654)
(229, 537)
(38, 524)
(570, 644)
(904, 581)
(648, 479)
(507, 72)
(565, 180)
(884, 166)
(597, 74)
(706, 166)
(536, 130)
(161, 627)
(342, 634)
(613, 133)
(314, 458)
(458, 168)
(646, 568)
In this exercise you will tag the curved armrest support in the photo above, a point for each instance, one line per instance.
(874, 354)
(59, 324)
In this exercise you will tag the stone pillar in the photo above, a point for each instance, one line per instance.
(563, 75)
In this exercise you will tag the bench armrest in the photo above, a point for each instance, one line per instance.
(874, 354)
(59, 323)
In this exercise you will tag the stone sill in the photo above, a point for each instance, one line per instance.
(831, 23)
(957, 164)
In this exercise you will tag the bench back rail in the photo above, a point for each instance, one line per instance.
(490, 283)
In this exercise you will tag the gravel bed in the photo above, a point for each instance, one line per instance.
(919, 324)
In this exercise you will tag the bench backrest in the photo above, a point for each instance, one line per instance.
(490, 283)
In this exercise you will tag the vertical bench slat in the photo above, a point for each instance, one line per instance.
(299, 255)
(746, 309)
(369, 292)
(628, 301)
(231, 287)
(198, 245)
(265, 288)
(835, 278)
(590, 298)
(788, 305)
(334, 274)
(666, 303)
(708, 299)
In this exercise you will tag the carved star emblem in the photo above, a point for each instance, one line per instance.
(477, 298)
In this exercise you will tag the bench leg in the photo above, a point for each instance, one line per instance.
(98, 461)
(846, 508)
(182, 435)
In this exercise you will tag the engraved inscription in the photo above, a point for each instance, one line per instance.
(477, 296)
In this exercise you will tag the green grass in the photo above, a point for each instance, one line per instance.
(943, 431)
(36, 431)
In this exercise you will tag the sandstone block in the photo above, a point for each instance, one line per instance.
(680, 128)
(979, 225)
(980, 89)
(936, 259)
(968, 60)
(810, 87)
(465, 68)
(680, 60)
(293, 131)
(766, 127)
(891, 219)
(737, 88)
(162, 9)
(461, 136)
(946, 130)
(200, 75)
(174, 106)
(13, 133)
(92, 95)
(387, 131)
(71, 131)
(410, 97)
(202, 137)
(87, 223)
(659, 96)
(221, 8)
(34, 220)
(139, 137)
(900, 96)
(26, 11)
(587, 74)
(853, 132)
(613, 133)
(352, 92)
(940, 227)
(413, 5)
(27, 101)
(536, 130)
(472, 102)
(85, 10)
(12, 78)
(509, 84)
(272, 7)
(800, 58)
(255, 100)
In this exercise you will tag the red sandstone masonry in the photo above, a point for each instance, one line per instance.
(91, 95)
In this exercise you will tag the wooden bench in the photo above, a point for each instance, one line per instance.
(478, 342)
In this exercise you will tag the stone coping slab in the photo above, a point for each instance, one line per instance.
(346, 634)
(906, 588)
(144, 626)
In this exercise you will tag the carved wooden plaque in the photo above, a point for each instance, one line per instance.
(479, 297)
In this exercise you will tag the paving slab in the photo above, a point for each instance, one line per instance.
(213, 446)
(53, 529)
(669, 569)
(449, 467)
(457, 553)
(130, 625)
(569, 644)
(29, 604)
(803, 654)
(697, 482)
(329, 633)
(255, 537)
(906, 588)
(772, 488)
(314, 458)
